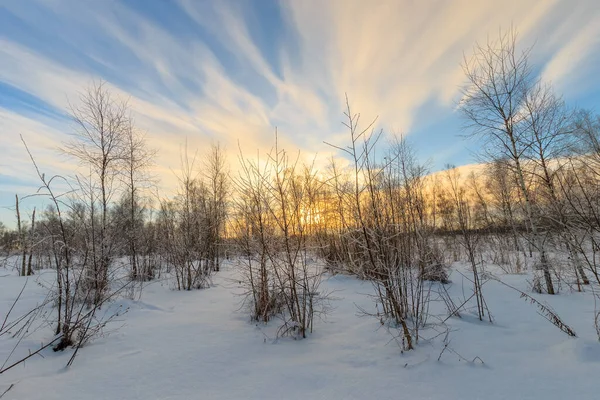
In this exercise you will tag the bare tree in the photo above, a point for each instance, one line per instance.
(500, 81)
(21, 232)
(31, 244)
(102, 126)
(470, 238)
(138, 158)
(216, 176)
(193, 221)
(577, 186)
(275, 211)
(550, 125)
(505, 216)
(253, 232)
(388, 228)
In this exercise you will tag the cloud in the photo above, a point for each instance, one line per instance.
(392, 57)
(572, 54)
(42, 135)
(200, 72)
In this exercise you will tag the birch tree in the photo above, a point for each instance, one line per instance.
(500, 83)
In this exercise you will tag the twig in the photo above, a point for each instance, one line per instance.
(545, 311)
(6, 391)
(31, 354)
(13, 305)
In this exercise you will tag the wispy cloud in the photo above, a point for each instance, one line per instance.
(231, 71)
(569, 58)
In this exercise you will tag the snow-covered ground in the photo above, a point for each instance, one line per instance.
(200, 345)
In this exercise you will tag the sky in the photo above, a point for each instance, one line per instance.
(230, 72)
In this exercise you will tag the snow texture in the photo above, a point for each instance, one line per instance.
(201, 345)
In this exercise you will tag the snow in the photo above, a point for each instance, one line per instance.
(201, 345)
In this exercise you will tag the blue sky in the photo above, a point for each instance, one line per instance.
(231, 71)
